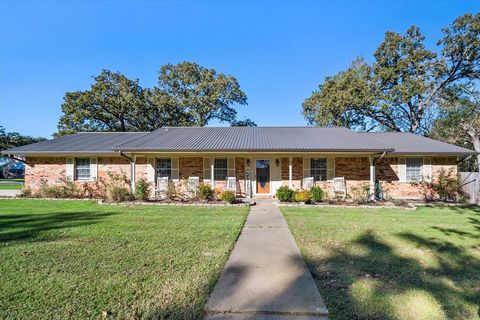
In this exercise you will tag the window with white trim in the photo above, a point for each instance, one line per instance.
(220, 169)
(82, 168)
(163, 168)
(414, 169)
(318, 169)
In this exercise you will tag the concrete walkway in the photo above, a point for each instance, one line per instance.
(266, 277)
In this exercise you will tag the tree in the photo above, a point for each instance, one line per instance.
(113, 103)
(459, 121)
(14, 139)
(243, 123)
(400, 90)
(199, 94)
(187, 94)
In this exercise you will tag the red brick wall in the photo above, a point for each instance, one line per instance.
(49, 169)
(52, 170)
(190, 167)
(354, 169)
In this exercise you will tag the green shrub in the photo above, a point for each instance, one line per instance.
(284, 194)
(142, 190)
(317, 194)
(119, 194)
(447, 186)
(303, 196)
(171, 192)
(228, 196)
(205, 192)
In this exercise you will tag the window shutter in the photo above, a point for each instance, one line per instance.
(231, 167)
(330, 168)
(93, 168)
(402, 169)
(306, 171)
(151, 170)
(427, 169)
(174, 169)
(306, 167)
(69, 169)
(207, 170)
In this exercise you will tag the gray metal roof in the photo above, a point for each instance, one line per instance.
(229, 139)
(82, 142)
(409, 143)
(253, 139)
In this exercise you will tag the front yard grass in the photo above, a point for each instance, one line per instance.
(392, 264)
(79, 259)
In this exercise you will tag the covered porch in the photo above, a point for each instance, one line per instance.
(254, 175)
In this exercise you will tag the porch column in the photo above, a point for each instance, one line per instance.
(290, 172)
(132, 173)
(372, 178)
(212, 168)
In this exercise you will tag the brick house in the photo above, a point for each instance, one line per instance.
(251, 161)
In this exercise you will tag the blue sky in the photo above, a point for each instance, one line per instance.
(278, 51)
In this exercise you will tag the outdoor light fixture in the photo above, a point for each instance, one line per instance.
(277, 162)
(248, 162)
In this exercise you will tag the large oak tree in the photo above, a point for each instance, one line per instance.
(400, 90)
(187, 94)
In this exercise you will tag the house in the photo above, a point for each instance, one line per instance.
(252, 161)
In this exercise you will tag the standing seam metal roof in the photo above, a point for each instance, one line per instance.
(253, 139)
(230, 139)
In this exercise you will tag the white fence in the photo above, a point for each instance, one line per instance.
(470, 182)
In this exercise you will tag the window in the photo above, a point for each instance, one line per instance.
(82, 168)
(220, 169)
(414, 169)
(164, 168)
(318, 169)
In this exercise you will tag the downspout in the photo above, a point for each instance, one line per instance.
(132, 171)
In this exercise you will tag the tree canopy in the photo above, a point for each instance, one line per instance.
(14, 139)
(400, 90)
(187, 94)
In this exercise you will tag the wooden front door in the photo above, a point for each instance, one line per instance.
(263, 176)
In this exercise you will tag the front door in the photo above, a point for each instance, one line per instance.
(263, 176)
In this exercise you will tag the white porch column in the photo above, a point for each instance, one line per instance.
(212, 168)
(290, 172)
(132, 173)
(372, 178)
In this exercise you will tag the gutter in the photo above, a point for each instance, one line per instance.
(11, 156)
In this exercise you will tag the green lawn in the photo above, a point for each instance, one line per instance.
(393, 264)
(78, 259)
(11, 186)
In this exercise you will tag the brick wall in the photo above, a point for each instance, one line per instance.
(53, 170)
(354, 169)
(49, 169)
(190, 167)
(141, 168)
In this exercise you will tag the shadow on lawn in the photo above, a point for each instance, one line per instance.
(392, 274)
(31, 226)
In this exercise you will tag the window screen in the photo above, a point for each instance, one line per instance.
(318, 169)
(82, 168)
(414, 169)
(220, 169)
